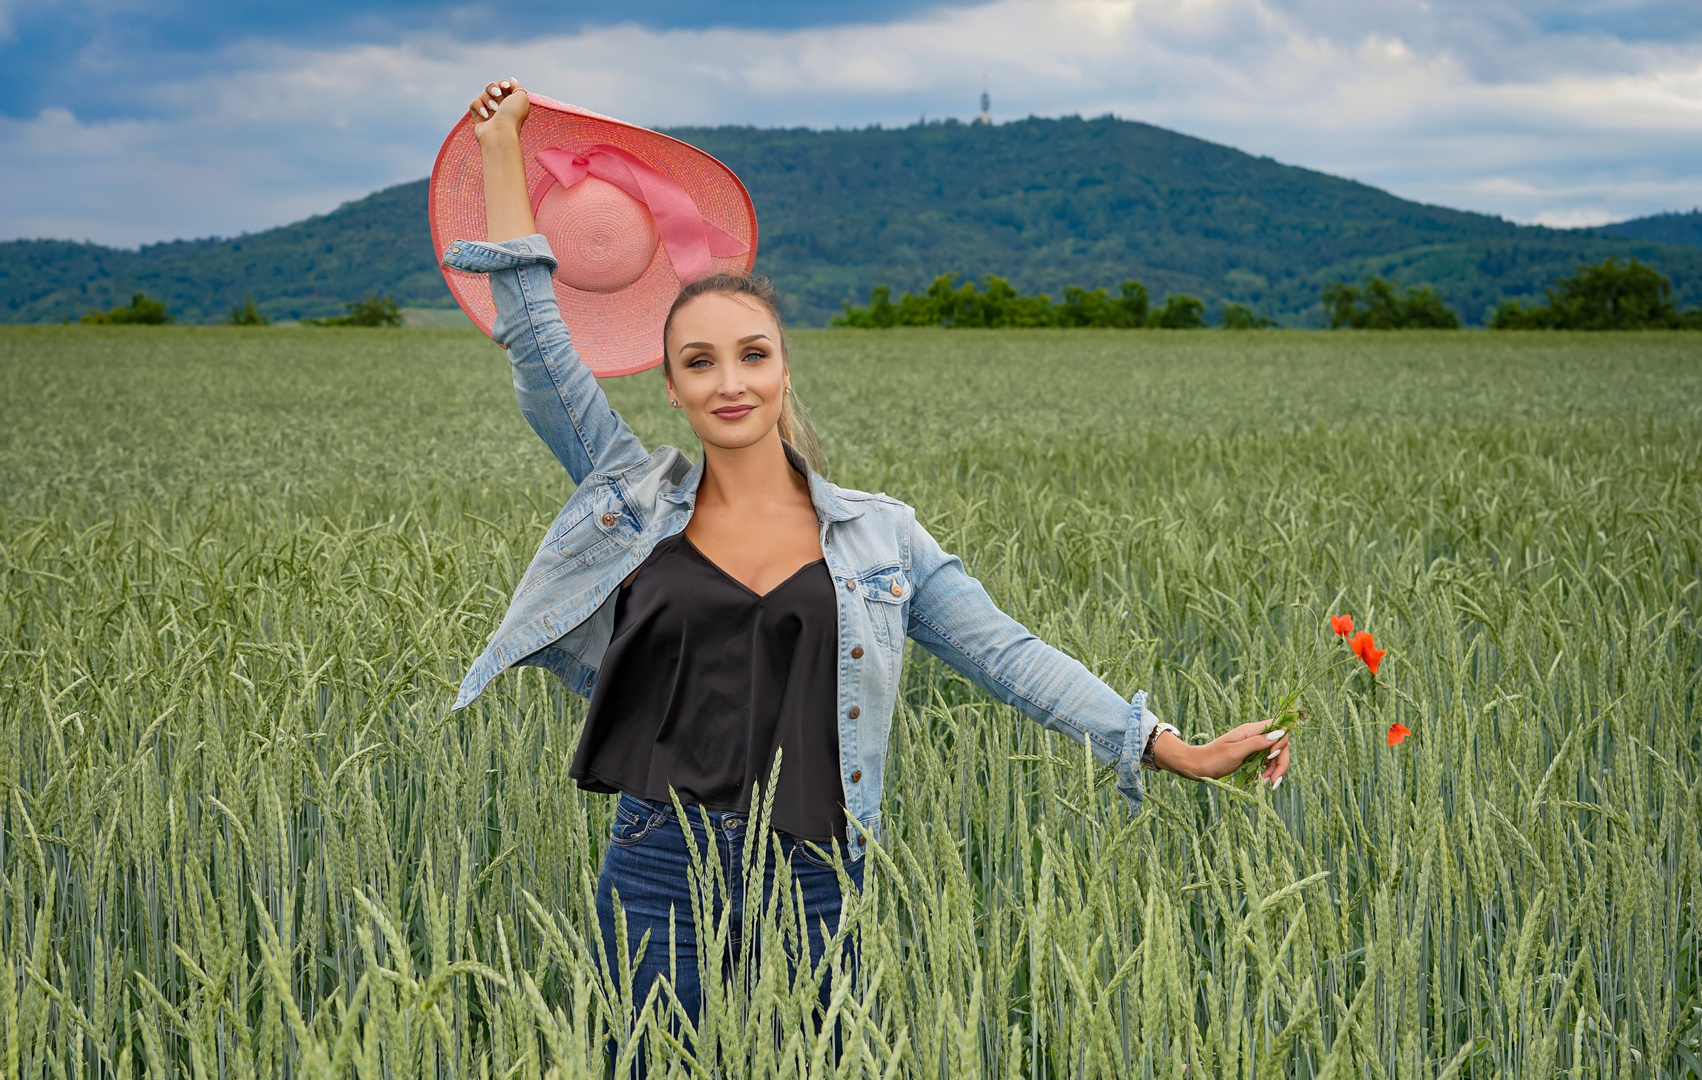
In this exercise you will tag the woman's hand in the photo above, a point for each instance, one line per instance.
(498, 112)
(500, 108)
(1224, 754)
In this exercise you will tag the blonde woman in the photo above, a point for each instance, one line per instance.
(719, 613)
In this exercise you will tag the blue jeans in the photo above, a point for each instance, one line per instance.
(649, 865)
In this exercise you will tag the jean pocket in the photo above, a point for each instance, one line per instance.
(591, 525)
(633, 822)
(805, 853)
(886, 595)
(586, 539)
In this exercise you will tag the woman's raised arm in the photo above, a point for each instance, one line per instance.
(498, 114)
(558, 395)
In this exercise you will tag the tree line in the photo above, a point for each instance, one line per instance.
(996, 304)
(1611, 295)
(1607, 296)
(145, 311)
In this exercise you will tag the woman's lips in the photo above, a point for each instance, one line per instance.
(735, 412)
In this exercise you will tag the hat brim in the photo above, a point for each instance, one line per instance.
(615, 333)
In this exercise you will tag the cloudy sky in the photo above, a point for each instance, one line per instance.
(130, 121)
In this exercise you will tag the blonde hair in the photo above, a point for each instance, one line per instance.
(795, 426)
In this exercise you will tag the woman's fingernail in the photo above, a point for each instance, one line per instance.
(484, 114)
(1276, 783)
(505, 84)
(1273, 736)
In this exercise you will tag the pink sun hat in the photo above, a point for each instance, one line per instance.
(631, 215)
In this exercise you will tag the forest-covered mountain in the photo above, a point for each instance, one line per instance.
(1045, 203)
(381, 244)
(1661, 228)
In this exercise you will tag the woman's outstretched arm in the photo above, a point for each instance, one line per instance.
(558, 395)
(952, 617)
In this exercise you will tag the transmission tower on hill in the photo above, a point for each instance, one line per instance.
(986, 116)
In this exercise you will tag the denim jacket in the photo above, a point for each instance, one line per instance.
(894, 582)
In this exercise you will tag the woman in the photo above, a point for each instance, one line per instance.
(721, 613)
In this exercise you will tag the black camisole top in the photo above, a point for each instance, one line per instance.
(703, 680)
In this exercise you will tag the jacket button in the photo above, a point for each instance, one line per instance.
(851, 583)
(856, 652)
(609, 519)
(862, 841)
(897, 589)
(856, 775)
(855, 712)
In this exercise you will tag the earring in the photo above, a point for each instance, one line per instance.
(674, 403)
(788, 388)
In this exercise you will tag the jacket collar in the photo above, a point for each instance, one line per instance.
(823, 495)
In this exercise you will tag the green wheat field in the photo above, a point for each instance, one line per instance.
(241, 573)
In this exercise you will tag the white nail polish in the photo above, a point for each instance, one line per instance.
(483, 113)
(1276, 783)
(505, 84)
(1273, 736)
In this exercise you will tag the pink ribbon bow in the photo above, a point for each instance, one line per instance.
(690, 240)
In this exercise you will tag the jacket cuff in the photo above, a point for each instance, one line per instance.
(1142, 724)
(482, 257)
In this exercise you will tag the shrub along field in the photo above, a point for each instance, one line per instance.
(241, 572)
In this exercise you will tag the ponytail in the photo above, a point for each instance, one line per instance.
(795, 428)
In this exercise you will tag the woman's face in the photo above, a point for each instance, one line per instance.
(726, 370)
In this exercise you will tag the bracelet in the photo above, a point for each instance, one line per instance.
(1152, 740)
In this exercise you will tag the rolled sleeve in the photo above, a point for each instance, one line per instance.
(1142, 724)
(482, 257)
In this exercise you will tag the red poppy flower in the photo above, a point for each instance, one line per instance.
(1342, 625)
(1366, 649)
(1397, 732)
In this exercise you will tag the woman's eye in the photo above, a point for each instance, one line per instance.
(756, 354)
(698, 362)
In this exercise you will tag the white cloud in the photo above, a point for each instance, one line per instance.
(1605, 131)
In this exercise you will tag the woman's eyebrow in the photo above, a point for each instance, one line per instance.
(708, 345)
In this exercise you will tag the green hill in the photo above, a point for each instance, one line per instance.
(1050, 203)
(1046, 203)
(1663, 228)
(377, 244)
